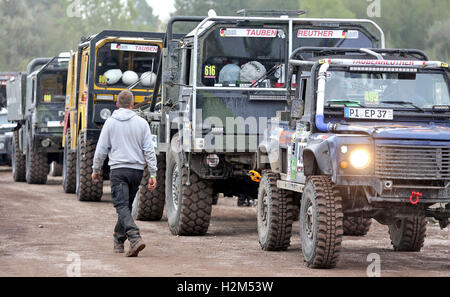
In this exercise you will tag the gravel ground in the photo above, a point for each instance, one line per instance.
(44, 232)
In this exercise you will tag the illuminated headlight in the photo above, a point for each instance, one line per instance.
(105, 113)
(212, 160)
(359, 158)
(2, 146)
(46, 142)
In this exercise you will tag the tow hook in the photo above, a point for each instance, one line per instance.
(254, 175)
(415, 194)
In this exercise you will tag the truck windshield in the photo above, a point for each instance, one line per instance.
(123, 64)
(244, 57)
(52, 87)
(396, 90)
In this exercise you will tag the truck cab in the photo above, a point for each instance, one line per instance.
(367, 136)
(104, 65)
(36, 105)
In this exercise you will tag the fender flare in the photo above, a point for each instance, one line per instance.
(317, 157)
(268, 156)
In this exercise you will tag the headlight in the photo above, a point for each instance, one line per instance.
(2, 146)
(359, 159)
(46, 142)
(212, 160)
(105, 113)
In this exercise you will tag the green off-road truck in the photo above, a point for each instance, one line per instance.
(36, 104)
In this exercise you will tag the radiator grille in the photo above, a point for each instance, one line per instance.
(412, 162)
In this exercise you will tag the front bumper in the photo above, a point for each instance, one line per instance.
(377, 190)
(55, 143)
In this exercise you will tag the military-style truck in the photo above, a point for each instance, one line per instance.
(219, 86)
(36, 104)
(6, 129)
(4, 77)
(104, 65)
(5, 126)
(367, 135)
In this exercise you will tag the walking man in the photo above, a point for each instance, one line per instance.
(127, 141)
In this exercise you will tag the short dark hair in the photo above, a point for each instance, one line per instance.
(125, 99)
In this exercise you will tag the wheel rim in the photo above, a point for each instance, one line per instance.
(175, 186)
(310, 220)
(263, 208)
(14, 159)
(78, 171)
(64, 163)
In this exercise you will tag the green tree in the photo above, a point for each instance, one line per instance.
(229, 7)
(326, 9)
(407, 24)
(438, 37)
(42, 28)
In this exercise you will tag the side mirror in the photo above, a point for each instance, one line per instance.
(171, 63)
(297, 108)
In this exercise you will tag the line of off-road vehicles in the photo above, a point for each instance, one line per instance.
(314, 117)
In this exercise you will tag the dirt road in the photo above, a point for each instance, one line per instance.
(44, 232)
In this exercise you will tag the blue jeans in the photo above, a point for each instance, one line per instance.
(124, 186)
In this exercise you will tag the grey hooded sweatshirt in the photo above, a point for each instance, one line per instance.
(127, 141)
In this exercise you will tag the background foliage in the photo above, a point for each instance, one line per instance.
(30, 28)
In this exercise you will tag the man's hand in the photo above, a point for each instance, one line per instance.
(96, 177)
(152, 184)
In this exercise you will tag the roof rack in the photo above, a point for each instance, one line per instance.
(290, 13)
(376, 52)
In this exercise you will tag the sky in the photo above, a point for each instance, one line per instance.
(162, 8)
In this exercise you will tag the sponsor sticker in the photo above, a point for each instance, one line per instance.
(371, 97)
(251, 32)
(134, 48)
(54, 124)
(210, 71)
(332, 34)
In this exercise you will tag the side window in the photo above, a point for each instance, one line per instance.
(307, 97)
(441, 93)
(86, 75)
(33, 92)
(187, 66)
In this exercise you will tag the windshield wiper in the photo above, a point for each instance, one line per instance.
(345, 102)
(132, 86)
(268, 73)
(441, 108)
(404, 103)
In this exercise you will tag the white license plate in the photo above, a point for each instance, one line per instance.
(54, 124)
(368, 113)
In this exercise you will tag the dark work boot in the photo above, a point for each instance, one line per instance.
(119, 247)
(136, 245)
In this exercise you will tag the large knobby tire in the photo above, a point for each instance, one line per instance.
(69, 174)
(55, 169)
(37, 166)
(408, 235)
(87, 190)
(275, 212)
(147, 205)
(18, 160)
(188, 207)
(321, 221)
(356, 226)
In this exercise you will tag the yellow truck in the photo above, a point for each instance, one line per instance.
(103, 65)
